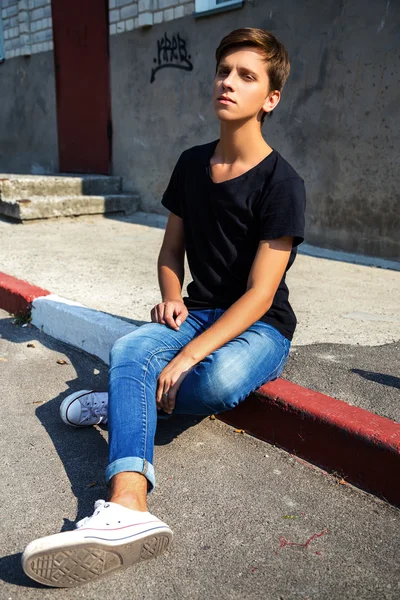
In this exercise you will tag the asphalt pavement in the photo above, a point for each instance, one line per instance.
(364, 376)
(250, 520)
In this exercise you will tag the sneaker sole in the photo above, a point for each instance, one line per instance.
(69, 566)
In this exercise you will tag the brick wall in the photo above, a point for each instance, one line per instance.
(126, 15)
(27, 24)
(27, 27)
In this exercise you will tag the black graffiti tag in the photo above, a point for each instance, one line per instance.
(171, 52)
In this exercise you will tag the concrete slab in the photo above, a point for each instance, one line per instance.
(109, 264)
(16, 185)
(45, 207)
(28, 197)
(250, 521)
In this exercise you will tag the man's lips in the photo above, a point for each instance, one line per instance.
(224, 99)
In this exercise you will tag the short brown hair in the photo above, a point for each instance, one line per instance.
(273, 51)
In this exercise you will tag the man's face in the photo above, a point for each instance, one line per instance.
(242, 76)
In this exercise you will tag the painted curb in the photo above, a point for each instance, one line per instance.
(16, 295)
(90, 330)
(362, 447)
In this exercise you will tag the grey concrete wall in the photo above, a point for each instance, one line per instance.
(336, 123)
(28, 127)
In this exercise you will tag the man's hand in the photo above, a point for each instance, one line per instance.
(169, 381)
(170, 312)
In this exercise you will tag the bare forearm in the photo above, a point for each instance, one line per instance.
(170, 276)
(248, 309)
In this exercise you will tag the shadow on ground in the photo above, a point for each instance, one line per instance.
(382, 378)
(82, 451)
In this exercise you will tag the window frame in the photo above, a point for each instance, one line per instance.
(208, 7)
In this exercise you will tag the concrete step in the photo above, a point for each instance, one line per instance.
(44, 207)
(20, 186)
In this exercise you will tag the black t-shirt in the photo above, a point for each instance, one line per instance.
(224, 223)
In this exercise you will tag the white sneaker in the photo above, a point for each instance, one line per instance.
(113, 538)
(85, 408)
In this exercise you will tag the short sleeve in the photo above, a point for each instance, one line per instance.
(282, 211)
(173, 196)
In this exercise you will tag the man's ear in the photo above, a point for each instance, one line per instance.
(271, 101)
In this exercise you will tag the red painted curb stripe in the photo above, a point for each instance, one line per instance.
(351, 418)
(16, 295)
(362, 447)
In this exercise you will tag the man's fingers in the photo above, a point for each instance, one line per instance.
(159, 392)
(161, 398)
(160, 314)
(168, 316)
(165, 399)
(165, 403)
(170, 403)
(164, 313)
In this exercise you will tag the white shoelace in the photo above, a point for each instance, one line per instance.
(92, 409)
(99, 505)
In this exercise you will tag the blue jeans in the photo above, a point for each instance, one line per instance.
(216, 384)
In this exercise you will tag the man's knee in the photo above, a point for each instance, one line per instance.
(214, 387)
(131, 343)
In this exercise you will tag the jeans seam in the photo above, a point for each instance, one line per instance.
(144, 388)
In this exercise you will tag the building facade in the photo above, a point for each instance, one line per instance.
(123, 87)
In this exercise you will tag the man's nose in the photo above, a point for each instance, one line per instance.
(228, 81)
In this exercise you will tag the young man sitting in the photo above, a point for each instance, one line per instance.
(237, 210)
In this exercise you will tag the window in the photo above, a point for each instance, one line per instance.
(206, 7)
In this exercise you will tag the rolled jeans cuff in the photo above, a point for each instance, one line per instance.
(132, 463)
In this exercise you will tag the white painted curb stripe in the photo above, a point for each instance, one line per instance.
(90, 330)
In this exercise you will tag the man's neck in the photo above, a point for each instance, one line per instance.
(242, 144)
